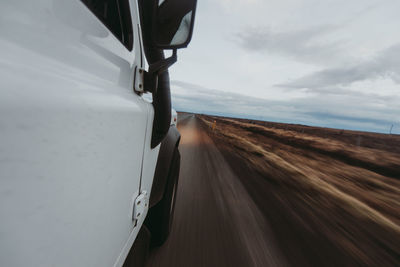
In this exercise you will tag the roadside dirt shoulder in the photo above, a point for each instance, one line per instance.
(323, 209)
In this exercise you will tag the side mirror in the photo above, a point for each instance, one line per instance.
(172, 23)
(171, 28)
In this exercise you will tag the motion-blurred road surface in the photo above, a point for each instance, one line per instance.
(216, 222)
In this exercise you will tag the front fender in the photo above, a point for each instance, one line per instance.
(168, 145)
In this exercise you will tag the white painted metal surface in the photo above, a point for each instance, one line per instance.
(141, 202)
(72, 137)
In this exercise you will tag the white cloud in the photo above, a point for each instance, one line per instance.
(336, 62)
(385, 65)
(351, 111)
(314, 45)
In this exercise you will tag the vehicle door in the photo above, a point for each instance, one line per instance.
(72, 131)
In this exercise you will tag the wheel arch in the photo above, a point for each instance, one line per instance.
(168, 145)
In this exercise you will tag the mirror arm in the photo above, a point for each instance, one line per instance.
(163, 65)
(151, 76)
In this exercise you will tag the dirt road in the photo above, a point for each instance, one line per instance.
(216, 221)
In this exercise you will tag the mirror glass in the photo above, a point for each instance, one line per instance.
(173, 23)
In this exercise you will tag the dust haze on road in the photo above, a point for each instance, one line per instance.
(216, 222)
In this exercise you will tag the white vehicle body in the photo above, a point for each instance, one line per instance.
(74, 137)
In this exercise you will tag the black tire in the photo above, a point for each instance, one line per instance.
(160, 217)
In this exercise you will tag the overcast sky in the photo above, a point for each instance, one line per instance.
(333, 63)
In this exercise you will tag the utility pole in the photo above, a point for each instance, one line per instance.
(390, 132)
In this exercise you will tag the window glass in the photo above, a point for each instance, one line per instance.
(115, 16)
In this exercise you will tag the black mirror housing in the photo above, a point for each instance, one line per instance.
(172, 23)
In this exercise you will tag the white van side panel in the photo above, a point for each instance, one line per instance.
(71, 136)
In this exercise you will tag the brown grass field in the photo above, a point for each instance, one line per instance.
(332, 196)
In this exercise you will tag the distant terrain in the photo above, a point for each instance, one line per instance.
(332, 196)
